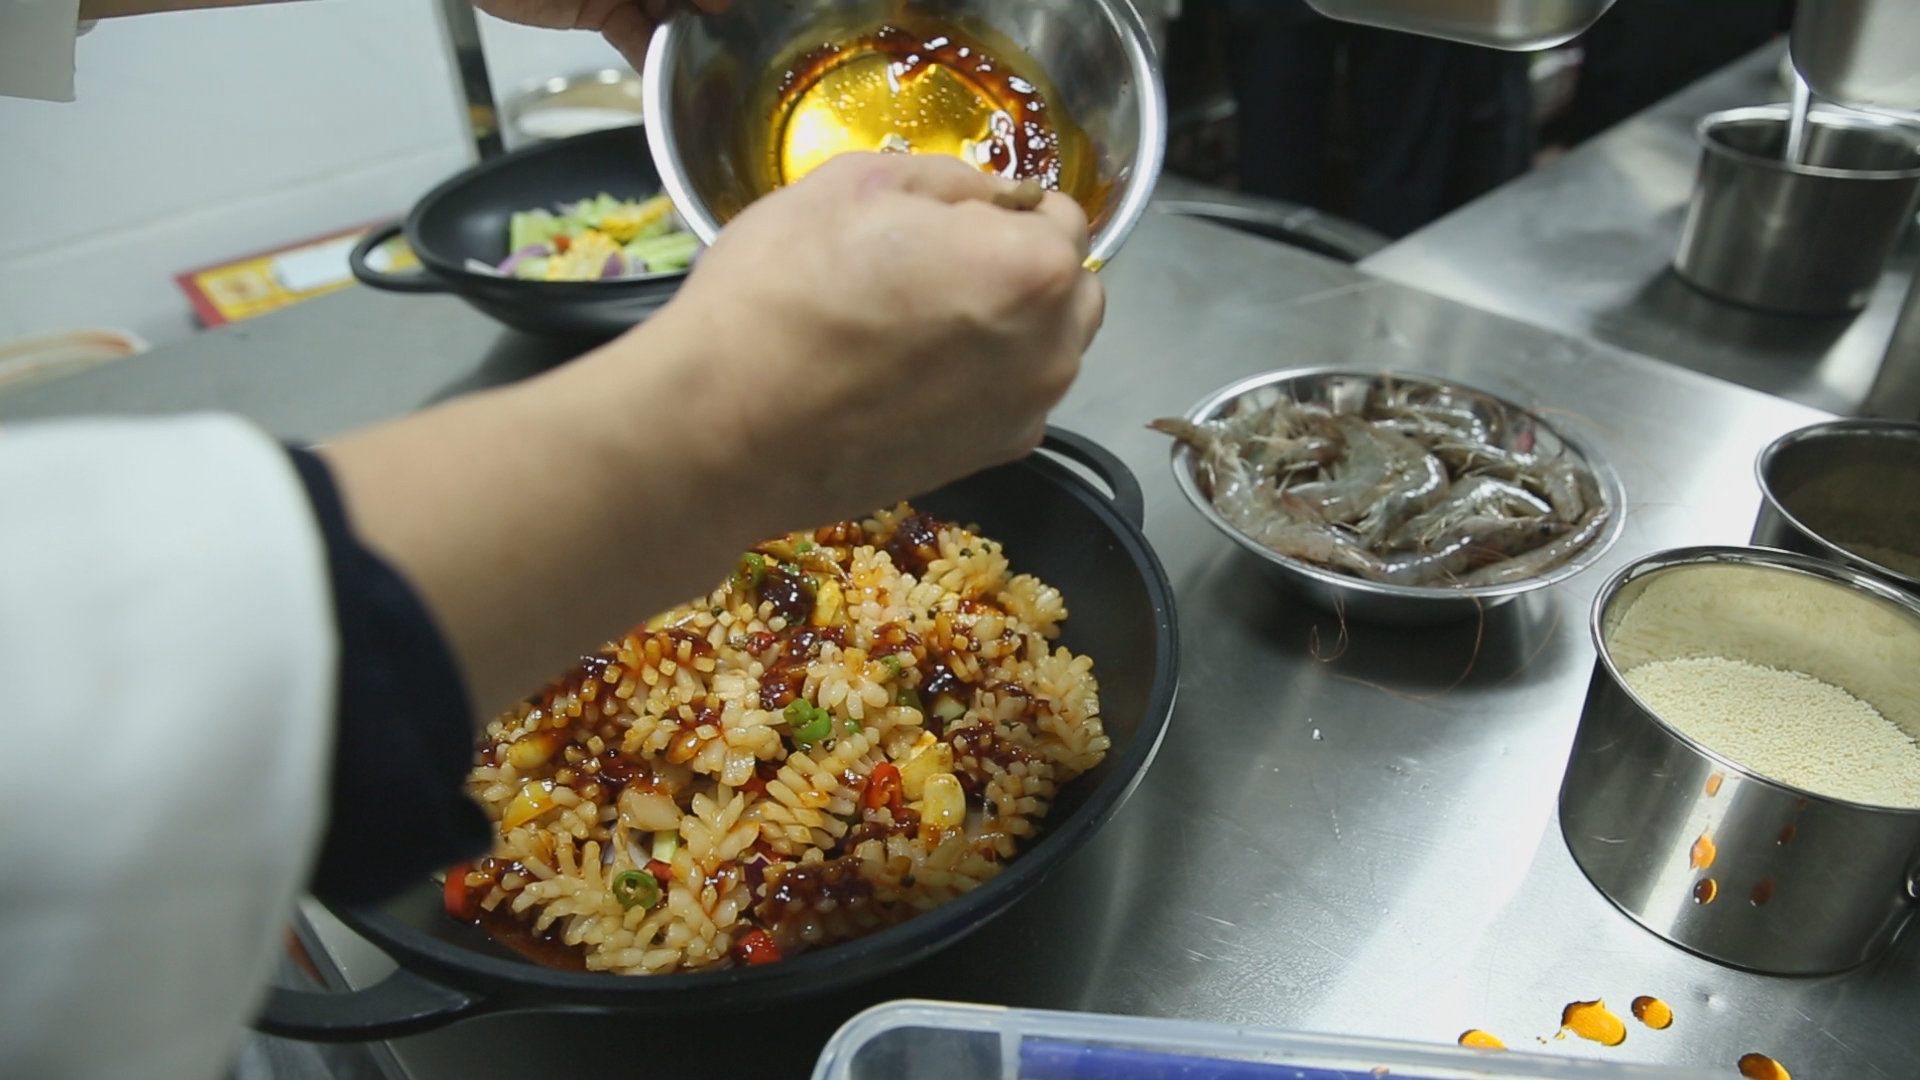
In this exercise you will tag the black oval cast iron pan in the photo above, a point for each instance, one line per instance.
(1054, 524)
(466, 218)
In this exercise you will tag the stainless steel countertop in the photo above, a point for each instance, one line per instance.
(1354, 836)
(1584, 246)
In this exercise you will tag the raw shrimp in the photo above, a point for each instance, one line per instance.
(1472, 499)
(1476, 542)
(1411, 484)
(1545, 557)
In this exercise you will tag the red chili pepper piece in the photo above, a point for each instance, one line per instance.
(756, 948)
(462, 900)
(661, 872)
(883, 788)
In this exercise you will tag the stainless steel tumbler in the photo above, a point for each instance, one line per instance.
(1809, 238)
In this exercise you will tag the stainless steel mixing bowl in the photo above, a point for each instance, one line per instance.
(1370, 601)
(1829, 489)
(703, 72)
(1692, 844)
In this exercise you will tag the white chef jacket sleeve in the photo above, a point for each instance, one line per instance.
(167, 680)
(36, 48)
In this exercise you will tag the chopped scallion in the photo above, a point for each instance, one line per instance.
(665, 844)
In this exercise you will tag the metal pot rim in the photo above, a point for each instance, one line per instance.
(1143, 65)
(1759, 558)
(1899, 429)
(1611, 491)
(1703, 132)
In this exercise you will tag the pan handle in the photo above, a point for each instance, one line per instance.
(1126, 495)
(421, 282)
(401, 1004)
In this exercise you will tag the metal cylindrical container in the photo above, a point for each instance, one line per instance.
(1697, 847)
(1859, 52)
(1496, 24)
(1808, 238)
(1847, 491)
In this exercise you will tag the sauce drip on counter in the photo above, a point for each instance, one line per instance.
(1481, 1039)
(924, 90)
(1591, 1020)
(1652, 1012)
(1762, 892)
(1762, 1067)
(1705, 890)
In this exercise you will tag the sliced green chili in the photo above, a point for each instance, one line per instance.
(636, 888)
(810, 723)
(750, 571)
(803, 547)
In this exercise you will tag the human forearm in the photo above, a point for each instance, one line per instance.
(540, 520)
(866, 335)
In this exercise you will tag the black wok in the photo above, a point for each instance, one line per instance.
(1055, 524)
(466, 218)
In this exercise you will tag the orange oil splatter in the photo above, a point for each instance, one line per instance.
(1762, 1067)
(1713, 785)
(1591, 1020)
(1703, 852)
(1481, 1039)
(1653, 1012)
(1705, 890)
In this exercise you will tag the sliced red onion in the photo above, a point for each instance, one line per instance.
(531, 251)
(616, 266)
(475, 266)
(756, 871)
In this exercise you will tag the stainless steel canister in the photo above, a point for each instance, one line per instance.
(1847, 491)
(1694, 846)
(1498, 24)
(1808, 238)
(1860, 52)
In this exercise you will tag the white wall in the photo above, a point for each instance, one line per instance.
(205, 135)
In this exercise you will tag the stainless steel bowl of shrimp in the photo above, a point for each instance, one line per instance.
(1394, 498)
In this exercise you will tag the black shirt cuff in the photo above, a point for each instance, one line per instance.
(404, 734)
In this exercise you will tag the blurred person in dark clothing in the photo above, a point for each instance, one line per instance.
(1641, 51)
(1433, 123)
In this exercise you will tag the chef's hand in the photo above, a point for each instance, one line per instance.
(861, 337)
(886, 329)
(626, 24)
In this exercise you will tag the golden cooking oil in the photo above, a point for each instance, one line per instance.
(925, 88)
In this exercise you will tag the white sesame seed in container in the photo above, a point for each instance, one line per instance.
(1747, 661)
